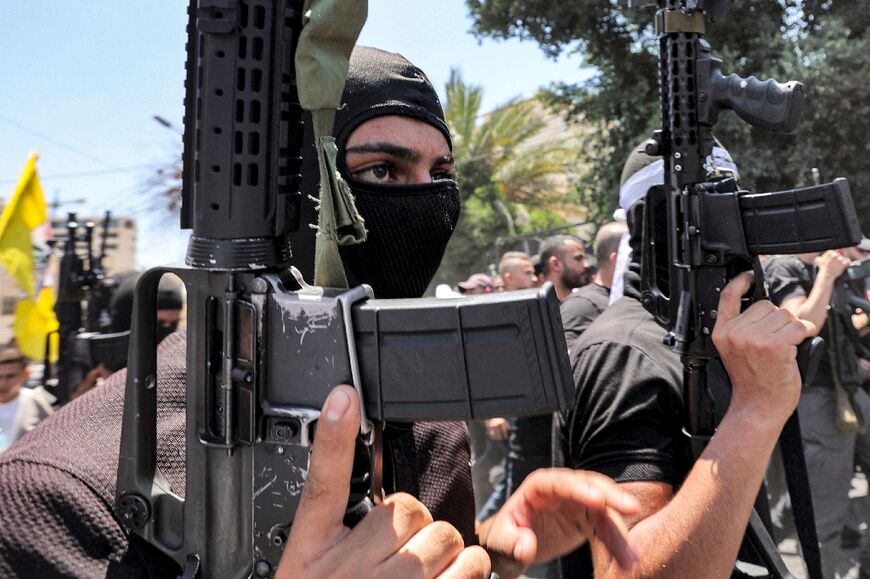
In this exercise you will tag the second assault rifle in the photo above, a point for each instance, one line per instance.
(264, 348)
(84, 338)
(701, 230)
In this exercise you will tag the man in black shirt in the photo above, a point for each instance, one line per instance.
(581, 308)
(833, 409)
(627, 417)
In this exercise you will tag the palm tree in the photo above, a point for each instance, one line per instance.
(513, 177)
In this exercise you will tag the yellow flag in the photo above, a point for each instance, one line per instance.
(25, 211)
(34, 320)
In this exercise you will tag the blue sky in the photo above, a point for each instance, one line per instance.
(82, 80)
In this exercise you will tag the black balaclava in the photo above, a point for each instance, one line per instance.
(654, 202)
(169, 297)
(408, 225)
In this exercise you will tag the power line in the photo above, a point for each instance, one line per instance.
(58, 142)
(86, 173)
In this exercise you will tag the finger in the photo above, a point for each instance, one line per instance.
(471, 563)
(613, 532)
(796, 331)
(512, 541)
(729, 299)
(557, 486)
(766, 318)
(780, 323)
(327, 487)
(426, 554)
(388, 527)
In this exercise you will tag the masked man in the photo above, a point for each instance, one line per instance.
(56, 491)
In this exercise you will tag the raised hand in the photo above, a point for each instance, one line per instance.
(832, 264)
(553, 512)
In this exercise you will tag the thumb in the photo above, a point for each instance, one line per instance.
(516, 544)
(327, 487)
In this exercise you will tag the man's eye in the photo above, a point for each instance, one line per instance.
(382, 173)
(443, 174)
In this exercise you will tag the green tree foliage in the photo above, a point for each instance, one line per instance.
(510, 182)
(824, 44)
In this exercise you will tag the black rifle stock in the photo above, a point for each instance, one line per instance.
(264, 349)
(702, 229)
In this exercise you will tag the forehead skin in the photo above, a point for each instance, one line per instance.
(571, 248)
(519, 265)
(416, 146)
(9, 367)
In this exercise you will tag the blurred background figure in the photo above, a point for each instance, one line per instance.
(498, 283)
(170, 303)
(517, 271)
(585, 304)
(21, 408)
(479, 283)
(563, 262)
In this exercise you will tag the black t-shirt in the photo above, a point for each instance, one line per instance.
(581, 308)
(529, 443)
(788, 277)
(627, 415)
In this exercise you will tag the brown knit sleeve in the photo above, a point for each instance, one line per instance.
(431, 461)
(57, 484)
(54, 525)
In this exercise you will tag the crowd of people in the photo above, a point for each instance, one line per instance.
(607, 488)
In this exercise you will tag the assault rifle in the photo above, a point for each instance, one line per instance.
(83, 341)
(702, 229)
(264, 348)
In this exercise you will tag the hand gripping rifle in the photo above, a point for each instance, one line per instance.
(264, 349)
(702, 230)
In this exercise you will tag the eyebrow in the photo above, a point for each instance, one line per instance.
(395, 151)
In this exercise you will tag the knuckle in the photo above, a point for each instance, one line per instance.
(446, 535)
(735, 341)
(720, 335)
(408, 511)
(757, 343)
(782, 315)
(537, 475)
(477, 564)
(798, 326)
